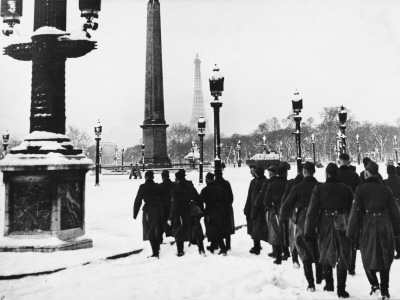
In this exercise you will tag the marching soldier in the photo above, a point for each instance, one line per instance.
(348, 176)
(297, 203)
(375, 212)
(327, 215)
(393, 182)
(150, 194)
(166, 188)
(248, 205)
(272, 203)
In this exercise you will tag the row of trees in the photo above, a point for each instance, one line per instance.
(376, 140)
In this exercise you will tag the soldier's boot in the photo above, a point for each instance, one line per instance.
(155, 244)
(278, 252)
(286, 253)
(257, 247)
(308, 272)
(385, 284)
(352, 270)
(295, 258)
(319, 274)
(373, 280)
(328, 278)
(341, 276)
(228, 242)
(179, 246)
(222, 247)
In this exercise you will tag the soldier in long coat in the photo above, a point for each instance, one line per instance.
(289, 227)
(366, 161)
(349, 176)
(393, 182)
(230, 220)
(248, 205)
(272, 204)
(327, 215)
(375, 212)
(150, 194)
(166, 187)
(180, 218)
(297, 204)
(215, 199)
(259, 224)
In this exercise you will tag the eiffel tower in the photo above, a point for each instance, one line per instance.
(198, 102)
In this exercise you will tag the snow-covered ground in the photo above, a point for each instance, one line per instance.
(109, 223)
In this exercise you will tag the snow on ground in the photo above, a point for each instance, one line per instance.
(239, 275)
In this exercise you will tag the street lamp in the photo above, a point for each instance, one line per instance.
(116, 156)
(201, 126)
(100, 153)
(313, 145)
(193, 149)
(97, 130)
(6, 138)
(122, 158)
(143, 147)
(395, 147)
(358, 148)
(342, 120)
(297, 105)
(280, 150)
(216, 88)
(239, 147)
(264, 145)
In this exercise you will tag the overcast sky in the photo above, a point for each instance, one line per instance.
(334, 52)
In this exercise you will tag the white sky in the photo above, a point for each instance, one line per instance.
(333, 51)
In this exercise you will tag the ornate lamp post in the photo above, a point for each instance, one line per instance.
(216, 88)
(6, 138)
(193, 158)
(97, 130)
(122, 158)
(116, 156)
(100, 154)
(201, 126)
(358, 148)
(313, 146)
(395, 147)
(239, 150)
(297, 105)
(264, 145)
(342, 120)
(143, 148)
(56, 191)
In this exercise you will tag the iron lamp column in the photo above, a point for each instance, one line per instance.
(342, 120)
(297, 105)
(97, 131)
(201, 126)
(143, 148)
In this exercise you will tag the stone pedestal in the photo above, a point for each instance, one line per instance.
(44, 181)
(155, 139)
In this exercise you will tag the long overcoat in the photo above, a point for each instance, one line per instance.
(182, 225)
(215, 199)
(259, 227)
(272, 204)
(150, 194)
(166, 197)
(290, 233)
(330, 207)
(393, 182)
(374, 211)
(248, 207)
(296, 205)
(230, 219)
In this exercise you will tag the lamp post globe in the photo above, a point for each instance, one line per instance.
(216, 89)
(97, 131)
(297, 106)
(201, 126)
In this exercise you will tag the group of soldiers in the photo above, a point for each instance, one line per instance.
(176, 208)
(325, 223)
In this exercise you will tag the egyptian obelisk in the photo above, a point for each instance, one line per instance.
(154, 125)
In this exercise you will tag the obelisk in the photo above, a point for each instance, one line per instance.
(154, 125)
